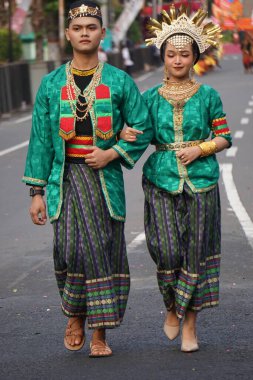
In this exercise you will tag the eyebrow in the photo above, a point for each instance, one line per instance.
(81, 25)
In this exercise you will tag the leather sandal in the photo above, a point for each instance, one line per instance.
(75, 328)
(99, 349)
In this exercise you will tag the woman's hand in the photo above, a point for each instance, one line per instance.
(38, 210)
(188, 155)
(130, 134)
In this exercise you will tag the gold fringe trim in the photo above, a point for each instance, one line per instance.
(67, 136)
(104, 136)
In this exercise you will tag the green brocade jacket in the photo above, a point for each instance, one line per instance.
(46, 152)
(199, 118)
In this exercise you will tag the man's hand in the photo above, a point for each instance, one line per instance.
(38, 210)
(188, 155)
(99, 158)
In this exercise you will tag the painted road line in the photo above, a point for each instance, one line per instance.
(238, 134)
(13, 148)
(245, 120)
(235, 202)
(137, 241)
(231, 152)
(25, 118)
(248, 111)
(251, 103)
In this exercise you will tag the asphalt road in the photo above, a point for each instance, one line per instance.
(32, 325)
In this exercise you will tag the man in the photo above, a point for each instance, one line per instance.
(80, 110)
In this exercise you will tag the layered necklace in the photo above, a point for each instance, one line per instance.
(84, 99)
(178, 91)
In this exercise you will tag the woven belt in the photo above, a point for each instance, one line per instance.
(178, 146)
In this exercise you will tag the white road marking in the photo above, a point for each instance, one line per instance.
(238, 134)
(143, 77)
(251, 103)
(232, 151)
(235, 202)
(245, 120)
(248, 111)
(137, 241)
(13, 148)
(25, 118)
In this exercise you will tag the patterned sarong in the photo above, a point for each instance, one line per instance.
(183, 238)
(90, 259)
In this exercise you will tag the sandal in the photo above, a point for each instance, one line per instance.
(99, 349)
(75, 328)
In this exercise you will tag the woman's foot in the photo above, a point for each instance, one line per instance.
(189, 336)
(98, 346)
(74, 336)
(171, 325)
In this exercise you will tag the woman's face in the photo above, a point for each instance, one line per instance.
(178, 63)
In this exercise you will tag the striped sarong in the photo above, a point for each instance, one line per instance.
(90, 258)
(184, 238)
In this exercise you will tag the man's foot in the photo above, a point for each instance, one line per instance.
(74, 336)
(171, 325)
(98, 346)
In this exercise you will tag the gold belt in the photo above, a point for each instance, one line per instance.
(178, 146)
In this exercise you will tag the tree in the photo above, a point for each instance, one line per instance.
(38, 24)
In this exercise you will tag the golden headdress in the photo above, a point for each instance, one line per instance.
(179, 22)
(84, 11)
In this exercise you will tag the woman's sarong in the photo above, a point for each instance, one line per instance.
(183, 237)
(90, 258)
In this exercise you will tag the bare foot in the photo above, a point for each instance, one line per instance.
(74, 336)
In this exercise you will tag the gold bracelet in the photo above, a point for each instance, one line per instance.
(208, 148)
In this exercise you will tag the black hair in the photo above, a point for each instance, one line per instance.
(195, 50)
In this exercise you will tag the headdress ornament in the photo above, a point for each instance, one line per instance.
(179, 22)
(84, 10)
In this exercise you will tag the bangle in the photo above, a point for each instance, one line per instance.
(34, 192)
(208, 148)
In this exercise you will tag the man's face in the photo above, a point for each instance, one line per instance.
(85, 34)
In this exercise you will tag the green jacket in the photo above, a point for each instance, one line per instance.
(46, 151)
(202, 116)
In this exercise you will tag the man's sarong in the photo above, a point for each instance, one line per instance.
(184, 238)
(90, 258)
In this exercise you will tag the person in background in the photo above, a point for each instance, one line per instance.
(127, 61)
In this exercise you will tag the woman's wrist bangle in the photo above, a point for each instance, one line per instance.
(208, 148)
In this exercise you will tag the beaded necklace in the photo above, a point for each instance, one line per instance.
(179, 91)
(75, 94)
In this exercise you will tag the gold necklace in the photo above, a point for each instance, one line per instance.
(178, 91)
(74, 92)
(83, 73)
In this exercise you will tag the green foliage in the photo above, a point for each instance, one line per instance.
(4, 46)
(134, 33)
(227, 36)
(51, 6)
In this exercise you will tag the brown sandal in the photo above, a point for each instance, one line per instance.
(75, 328)
(99, 349)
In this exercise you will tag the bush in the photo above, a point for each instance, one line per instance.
(4, 46)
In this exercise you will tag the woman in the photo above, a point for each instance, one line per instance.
(180, 179)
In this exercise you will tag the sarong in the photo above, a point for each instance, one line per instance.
(183, 234)
(90, 260)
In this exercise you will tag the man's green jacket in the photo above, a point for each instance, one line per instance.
(46, 152)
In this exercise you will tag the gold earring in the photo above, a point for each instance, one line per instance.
(166, 74)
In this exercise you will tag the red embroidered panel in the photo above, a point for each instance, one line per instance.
(104, 123)
(103, 92)
(64, 93)
(218, 122)
(67, 124)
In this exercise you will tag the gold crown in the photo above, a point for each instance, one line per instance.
(84, 11)
(176, 22)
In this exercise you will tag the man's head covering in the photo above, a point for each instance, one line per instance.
(84, 8)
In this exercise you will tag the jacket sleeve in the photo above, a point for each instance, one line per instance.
(218, 121)
(40, 151)
(135, 114)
